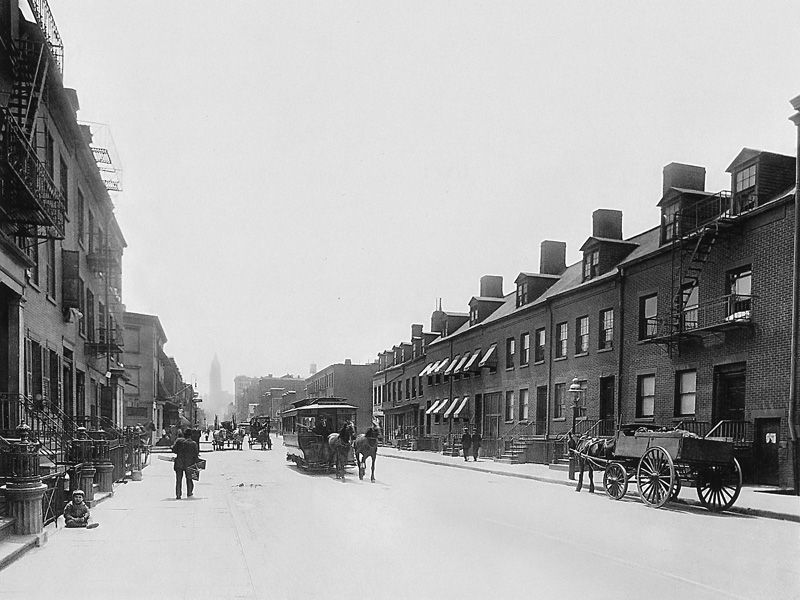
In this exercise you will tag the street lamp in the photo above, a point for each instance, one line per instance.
(576, 391)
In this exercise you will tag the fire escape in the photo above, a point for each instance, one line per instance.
(32, 207)
(692, 233)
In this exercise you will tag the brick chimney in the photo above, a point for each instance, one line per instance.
(688, 177)
(552, 257)
(491, 286)
(607, 223)
(416, 331)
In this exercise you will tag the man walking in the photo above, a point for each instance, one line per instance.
(466, 440)
(476, 445)
(186, 455)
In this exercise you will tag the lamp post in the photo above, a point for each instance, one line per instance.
(576, 391)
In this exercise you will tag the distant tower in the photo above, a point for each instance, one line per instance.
(215, 379)
(312, 369)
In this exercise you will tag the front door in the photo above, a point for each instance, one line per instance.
(607, 404)
(541, 409)
(766, 451)
(729, 392)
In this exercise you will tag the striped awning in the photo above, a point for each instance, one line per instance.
(449, 411)
(440, 365)
(460, 407)
(441, 406)
(428, 368)
(452, 366)
(472, 360)
(461, 363)
(432, 407)
(489, 359)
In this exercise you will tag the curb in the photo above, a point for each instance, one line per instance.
(750, 512)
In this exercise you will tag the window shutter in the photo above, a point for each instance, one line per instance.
(70, 280)
(28, 368)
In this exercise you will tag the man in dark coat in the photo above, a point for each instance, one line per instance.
(186, 455)
(476, 444)
(466, 441)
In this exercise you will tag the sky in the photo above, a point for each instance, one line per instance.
(304, 180)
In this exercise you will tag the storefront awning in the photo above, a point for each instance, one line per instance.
(450, 410)
(428, 368)
(489, 359)
(433, 407)
(460, 407)
(461, 364)
(452, 366)
(441, 406)
(440, 365)
(472, 360)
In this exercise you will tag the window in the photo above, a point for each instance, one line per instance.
(685, 393)
(739, 288)
(648, 312)
(746, 178)
(509, 408)
(689, 313)
(90, 315)
(473, 315)
(591, 260)
(91, 232)
(33, 253)
(63, 174)
(49, 153)
(408, 388)
(524, 349)
(522, 293)
(559, 398)
(581, 335)
(561, 346)
(538, 351)
(51, 268)
(669, 221)
(81, 308)
(606, 339)
(81, 209)
(645, 395)
(510, 351)
(523, 405)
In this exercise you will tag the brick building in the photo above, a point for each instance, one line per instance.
(686, 324)
(344, 380)
(257, 396)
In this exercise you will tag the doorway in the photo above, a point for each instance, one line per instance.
(766, 451)
(729, 392)
(607, 404)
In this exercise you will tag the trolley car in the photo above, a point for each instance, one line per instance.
(305, 428)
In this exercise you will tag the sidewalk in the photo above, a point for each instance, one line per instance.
(752, 500)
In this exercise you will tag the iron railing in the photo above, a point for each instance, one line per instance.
(699, 428)
(47, 23)
(725, 311)
(739, 432)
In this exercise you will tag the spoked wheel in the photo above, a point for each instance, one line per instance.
(656, 477)
(718, 486)
(677, 489)
(615, 481)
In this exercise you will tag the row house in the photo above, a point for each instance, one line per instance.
(343, 380)
(397, 390)
(687, 324)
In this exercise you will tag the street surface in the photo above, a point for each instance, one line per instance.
(259, 528)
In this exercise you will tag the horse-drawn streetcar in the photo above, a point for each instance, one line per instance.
(307, 426)
(662, 461)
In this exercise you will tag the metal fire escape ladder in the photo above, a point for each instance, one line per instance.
(28, 88)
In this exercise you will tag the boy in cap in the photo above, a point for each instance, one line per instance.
(76, 513)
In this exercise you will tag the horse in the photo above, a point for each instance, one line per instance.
(366, 445)
(340, 444)
(585, 449)
(219, 439)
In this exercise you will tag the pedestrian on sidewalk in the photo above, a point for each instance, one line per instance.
(76, 513)
(466, 441)
(476, 445)
(186, 455)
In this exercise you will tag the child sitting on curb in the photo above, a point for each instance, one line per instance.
(76, 513)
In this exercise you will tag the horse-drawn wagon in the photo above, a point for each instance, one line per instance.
(661, 461)
(306, 427)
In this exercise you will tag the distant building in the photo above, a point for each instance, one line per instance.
(264, 395)
(349, 381)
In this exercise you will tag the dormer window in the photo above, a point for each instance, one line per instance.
(745, 179)
(591, 261)
(522, 293)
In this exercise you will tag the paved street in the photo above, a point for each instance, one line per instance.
(259, 528)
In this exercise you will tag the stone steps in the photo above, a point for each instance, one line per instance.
(14, 546)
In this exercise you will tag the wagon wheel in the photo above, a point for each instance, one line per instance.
(718, 486)
(615, 481)
(655, 477)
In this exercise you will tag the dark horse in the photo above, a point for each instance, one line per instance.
(366, 445)
(585, 448)
(340, 444)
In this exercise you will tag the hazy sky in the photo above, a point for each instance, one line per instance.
(304, 180)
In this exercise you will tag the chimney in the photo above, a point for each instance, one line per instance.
(552, 257)
(438, 320)
(607, 223)
(348, 362)
(416, 331)
(491, 286)
(683, 176)
(312, 369)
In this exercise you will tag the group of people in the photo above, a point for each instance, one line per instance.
(471, 444)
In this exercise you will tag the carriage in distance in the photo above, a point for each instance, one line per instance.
(305, 428)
